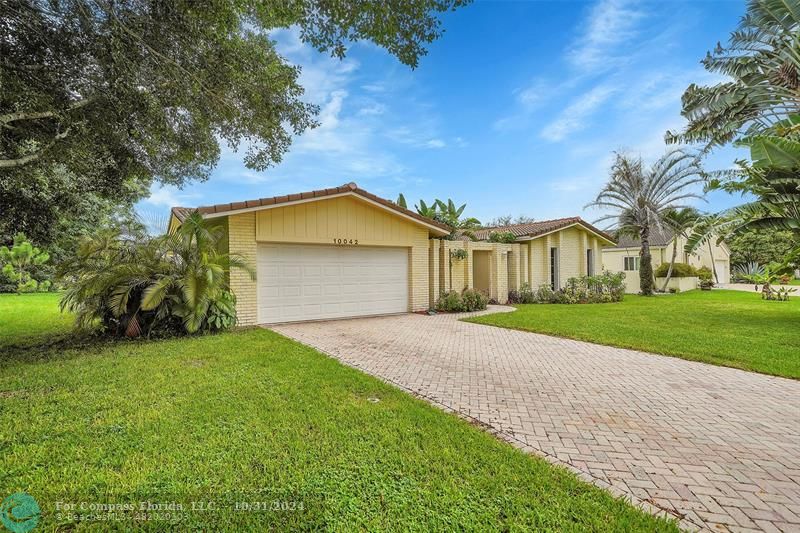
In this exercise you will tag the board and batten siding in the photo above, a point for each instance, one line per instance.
(324, 222)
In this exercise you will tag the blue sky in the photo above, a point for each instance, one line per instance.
(515, 110)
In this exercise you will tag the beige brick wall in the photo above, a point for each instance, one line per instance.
(418, 271)
(434, 271)
(242, 241)
(571, 254)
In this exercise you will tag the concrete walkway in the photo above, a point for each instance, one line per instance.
(716, 447)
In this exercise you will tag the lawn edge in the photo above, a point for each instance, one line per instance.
(674, 355)
(639, 503)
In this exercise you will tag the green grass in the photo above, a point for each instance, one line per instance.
(252, 416)
(31, 319)
(729, 328)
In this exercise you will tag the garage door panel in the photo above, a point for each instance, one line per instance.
(301, 282)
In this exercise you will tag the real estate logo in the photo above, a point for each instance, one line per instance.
(19, 512)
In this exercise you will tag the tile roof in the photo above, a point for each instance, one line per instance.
(182, 212)
(534, 229)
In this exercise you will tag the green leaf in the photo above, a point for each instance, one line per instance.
(773, 151)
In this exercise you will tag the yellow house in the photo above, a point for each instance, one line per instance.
(344, 252)
(624, 257)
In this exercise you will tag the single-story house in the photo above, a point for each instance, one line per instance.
(344, 252)
(624, 257)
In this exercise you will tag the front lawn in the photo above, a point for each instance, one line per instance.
(729, 328)
(231, 420)
(31, 319)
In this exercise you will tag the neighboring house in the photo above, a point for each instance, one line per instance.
(624, 257)
(344, 252)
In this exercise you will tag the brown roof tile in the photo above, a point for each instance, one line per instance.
(534, 229)
(181, 212)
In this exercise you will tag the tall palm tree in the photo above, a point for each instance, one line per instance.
(638, 197)
(680, 221)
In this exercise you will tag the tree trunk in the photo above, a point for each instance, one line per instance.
(671, 263)
(713, 263)
(646, 281)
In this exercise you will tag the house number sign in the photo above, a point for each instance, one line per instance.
(343, 242)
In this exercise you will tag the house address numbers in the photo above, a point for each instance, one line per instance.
(346, 242)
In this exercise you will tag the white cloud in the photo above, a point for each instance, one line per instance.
(372, 110)
(169, 196)
(435, 143)
(611, 23)
(418, 138)
(574, 117)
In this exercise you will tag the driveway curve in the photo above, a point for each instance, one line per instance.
(716, 447)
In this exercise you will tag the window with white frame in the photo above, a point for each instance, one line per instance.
(631, 263)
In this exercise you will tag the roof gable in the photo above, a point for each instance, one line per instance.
(212, 211)
(533, 230)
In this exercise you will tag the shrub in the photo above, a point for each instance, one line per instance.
(704, 273)
(605, 287)
(474, 300)
(502, 236)
(679, 270)
(523, 296)
(170, 284)
(467, 300)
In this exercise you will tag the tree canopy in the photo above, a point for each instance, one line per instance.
(126, 93)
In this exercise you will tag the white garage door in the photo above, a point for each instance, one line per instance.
(306, 282)
(722, 271)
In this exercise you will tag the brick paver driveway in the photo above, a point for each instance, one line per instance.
(717, 446)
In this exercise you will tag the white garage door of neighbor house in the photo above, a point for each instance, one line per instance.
(722, 271)
(307, 282)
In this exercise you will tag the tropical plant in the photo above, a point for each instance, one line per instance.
(639, 197)
(426, 210)
(401, 201)
(451, 215)
(679, 221)
(19, 260)
(757, 107)
(767, 277)
(745, 271)
(447, 213)
(140, 284)
(761, 67)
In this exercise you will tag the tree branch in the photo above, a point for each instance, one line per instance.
(24, 160)
(24, 115)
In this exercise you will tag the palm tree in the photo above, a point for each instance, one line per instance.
(709, 230)
(680, 221)
(640, 196)
(131, 285)
(761, 65)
